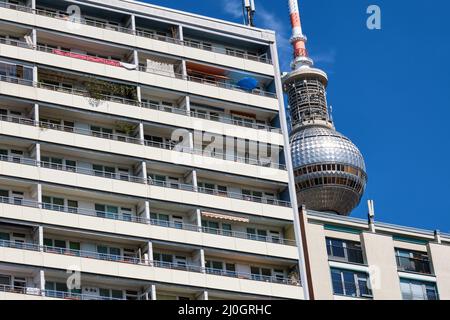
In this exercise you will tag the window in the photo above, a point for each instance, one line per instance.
(278, 275)
(20, 284)
(4, 236)
(50, 162)
(163, 259)
(344, 250)
(210, 227)
(4, 196)
(157, 180)
(275, 236)
(110, 293)
(16, 155)
(124, 174)
(350, 283)
(52, 203)
(226, 230)
(72, 206)
(418, 290)
(4, 281)
(104, 171)
(126, 214)
(178, 222)
(71, 165)
(105, 211)
(256, 234)
(131, 295)
(214, 267)
(230, 269)
(413, 261)
(180, 262)
(17, 197)
(159, 219)
(110, 253)
(3, 155)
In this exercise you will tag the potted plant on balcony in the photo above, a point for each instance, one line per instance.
(98, 90)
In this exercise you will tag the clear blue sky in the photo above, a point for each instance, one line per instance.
(390, 92)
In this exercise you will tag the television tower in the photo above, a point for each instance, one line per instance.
(329, 169)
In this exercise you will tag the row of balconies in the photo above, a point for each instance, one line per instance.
(154, 255)
(55, 49)
(141, 30)
(280, 278)
(262, 159)
(20, 282)
(261, 106)
(197, 111)
(237, 199)
(71, 84)
(178, 181)
(39, 284)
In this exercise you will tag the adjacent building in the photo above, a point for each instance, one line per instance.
(350, 258)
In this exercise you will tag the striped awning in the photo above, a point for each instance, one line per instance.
(213, 215)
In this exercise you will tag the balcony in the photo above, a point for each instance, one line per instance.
(138, 261)
(142, 220)
(140, 32)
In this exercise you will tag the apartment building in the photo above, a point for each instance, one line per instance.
(355, 259)
(142, 156)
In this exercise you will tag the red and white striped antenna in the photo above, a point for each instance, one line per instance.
(298, 39)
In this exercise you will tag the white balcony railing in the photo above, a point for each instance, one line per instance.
(143, 220)
(139, 33)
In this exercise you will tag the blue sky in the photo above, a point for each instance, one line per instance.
(390, 92)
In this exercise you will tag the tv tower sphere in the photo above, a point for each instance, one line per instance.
(330, 174)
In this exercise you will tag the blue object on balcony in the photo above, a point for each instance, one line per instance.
(248, 83)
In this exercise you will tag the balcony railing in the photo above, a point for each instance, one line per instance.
(20, 290)
(240, 196)
(76, 296)
(139, 33)
(413, 265)
(251, 276)
(52, 293)
(138, 219)
(137, 261)
(345, 254)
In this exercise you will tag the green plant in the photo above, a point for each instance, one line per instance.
(125, 127)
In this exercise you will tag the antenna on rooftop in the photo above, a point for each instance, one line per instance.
(249, 12)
